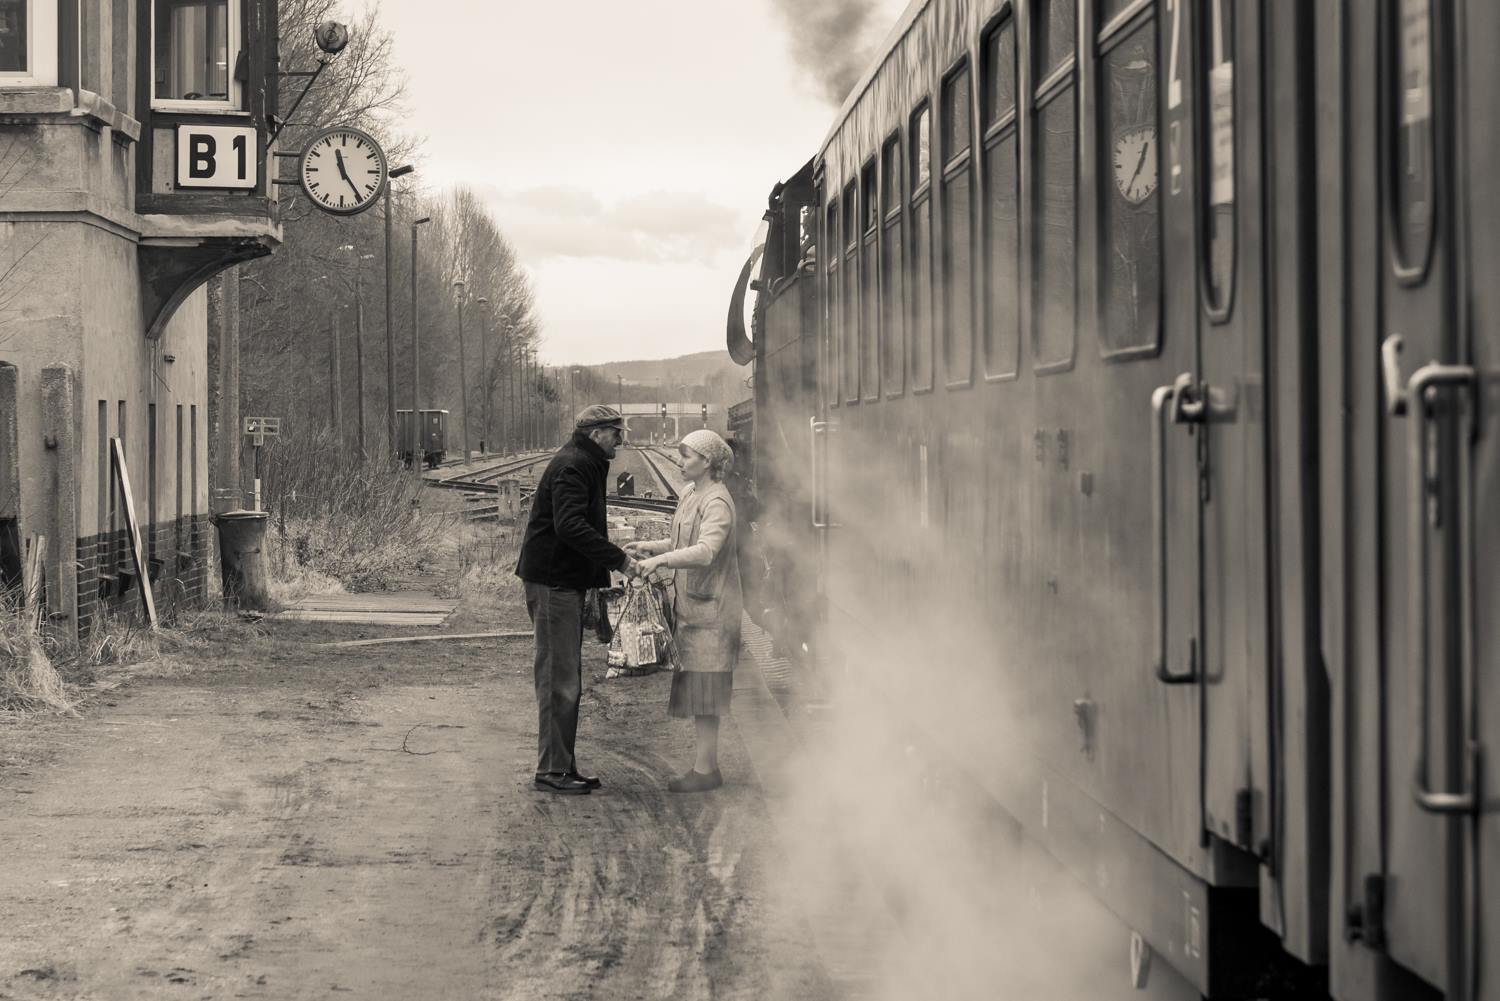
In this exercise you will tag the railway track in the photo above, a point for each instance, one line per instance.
(668, 489)
(483, 480)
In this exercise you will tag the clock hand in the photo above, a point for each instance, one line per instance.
(1145, 146)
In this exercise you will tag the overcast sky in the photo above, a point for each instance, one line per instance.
(625, 148)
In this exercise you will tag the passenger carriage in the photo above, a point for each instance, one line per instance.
(1140, 357)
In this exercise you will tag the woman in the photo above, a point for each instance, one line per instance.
(706, 599)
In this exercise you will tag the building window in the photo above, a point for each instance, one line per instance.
(919, 259)
(1002, 233)
(28, 43)
(194, 52)
(893, 306)
(1130, 213)
(958, 232)
(1055, 192)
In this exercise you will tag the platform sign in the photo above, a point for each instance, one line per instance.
(217, 156)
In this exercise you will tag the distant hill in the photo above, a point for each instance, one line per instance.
(704, 377)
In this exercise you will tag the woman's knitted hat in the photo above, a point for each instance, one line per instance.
(710, 446)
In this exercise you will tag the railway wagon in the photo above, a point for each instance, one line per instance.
(432, 432)
(1147, 351)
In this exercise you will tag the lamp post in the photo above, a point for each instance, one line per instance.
(390, 317)
(463, 372)
(484, 381)
(359, 343)
(416, 360)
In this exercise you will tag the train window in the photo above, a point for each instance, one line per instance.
(1056, 29)
(869, 289)
(849, 348)
(958, 227)
(1055, 195)
(919, 255)
(921, 150)
(1218, 214)
(1002, 234)
(892, 304)
(1412, 184)
(831, 304)
(1130, 211)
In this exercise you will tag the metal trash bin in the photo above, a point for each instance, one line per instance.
(242, 559)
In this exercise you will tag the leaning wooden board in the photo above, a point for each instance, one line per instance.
(142, 569)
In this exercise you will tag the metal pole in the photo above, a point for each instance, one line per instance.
(390, 336)
(359, 357)
(416, 368)
(463, 377)
(335, 382)
(484, 386)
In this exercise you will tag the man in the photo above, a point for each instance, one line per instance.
(565, 552)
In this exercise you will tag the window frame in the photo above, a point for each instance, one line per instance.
(1217, 309)
(892, 382)
(849, 332)
(1109, 37)
(234, 14)
(832, 219)
(1056, 85)
(951, 166)
(993, 133)
(870, 340)
(41, 47)
(1408, 269)
(920, 199)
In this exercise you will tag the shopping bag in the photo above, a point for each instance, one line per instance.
(642, 636)
(596, 612)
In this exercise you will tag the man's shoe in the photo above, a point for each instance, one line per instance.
(561, 782)
(592, 781)
(696, 781)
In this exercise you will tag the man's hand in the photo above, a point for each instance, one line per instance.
(631, 568)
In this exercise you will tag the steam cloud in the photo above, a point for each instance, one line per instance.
(832, 40)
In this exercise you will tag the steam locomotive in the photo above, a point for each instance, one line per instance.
(1147, 348)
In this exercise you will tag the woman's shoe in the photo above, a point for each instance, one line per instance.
(696, 781)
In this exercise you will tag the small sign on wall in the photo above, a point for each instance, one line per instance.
(217, 156)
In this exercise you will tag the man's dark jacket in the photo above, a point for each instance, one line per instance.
(567, 541)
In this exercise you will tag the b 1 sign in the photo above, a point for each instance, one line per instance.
(216, 156)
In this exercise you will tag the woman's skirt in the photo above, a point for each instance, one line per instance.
(700, 693)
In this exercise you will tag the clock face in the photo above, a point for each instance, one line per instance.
(343, 170)
(1135, 164)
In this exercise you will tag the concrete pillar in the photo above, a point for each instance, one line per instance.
(59, 521)
(224, 437)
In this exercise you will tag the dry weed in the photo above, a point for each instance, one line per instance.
(29, 680)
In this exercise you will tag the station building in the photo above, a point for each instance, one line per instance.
(135, 166)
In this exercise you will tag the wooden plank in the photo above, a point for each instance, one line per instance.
(364, 618)
(142, 570)
(431, 639)
(31, 574)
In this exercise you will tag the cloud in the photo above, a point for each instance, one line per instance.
(658, 226)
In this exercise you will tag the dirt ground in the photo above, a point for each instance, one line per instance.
(252, 815)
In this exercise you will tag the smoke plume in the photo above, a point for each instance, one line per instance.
(833, 40)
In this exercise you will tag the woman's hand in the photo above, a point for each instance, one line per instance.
(647, 567)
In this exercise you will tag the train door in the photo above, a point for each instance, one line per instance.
(1400, 855)
(1481, 78)
(1229, 408)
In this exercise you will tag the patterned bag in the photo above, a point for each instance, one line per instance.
(642, 641)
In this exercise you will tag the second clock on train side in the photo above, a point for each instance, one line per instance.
(343, 170)
(1135, 164)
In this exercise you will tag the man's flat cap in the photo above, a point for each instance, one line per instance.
(599, 416)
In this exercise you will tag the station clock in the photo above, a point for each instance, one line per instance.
(343, 170)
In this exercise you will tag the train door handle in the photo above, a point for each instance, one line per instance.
(1415, 399)
(1164, 410)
